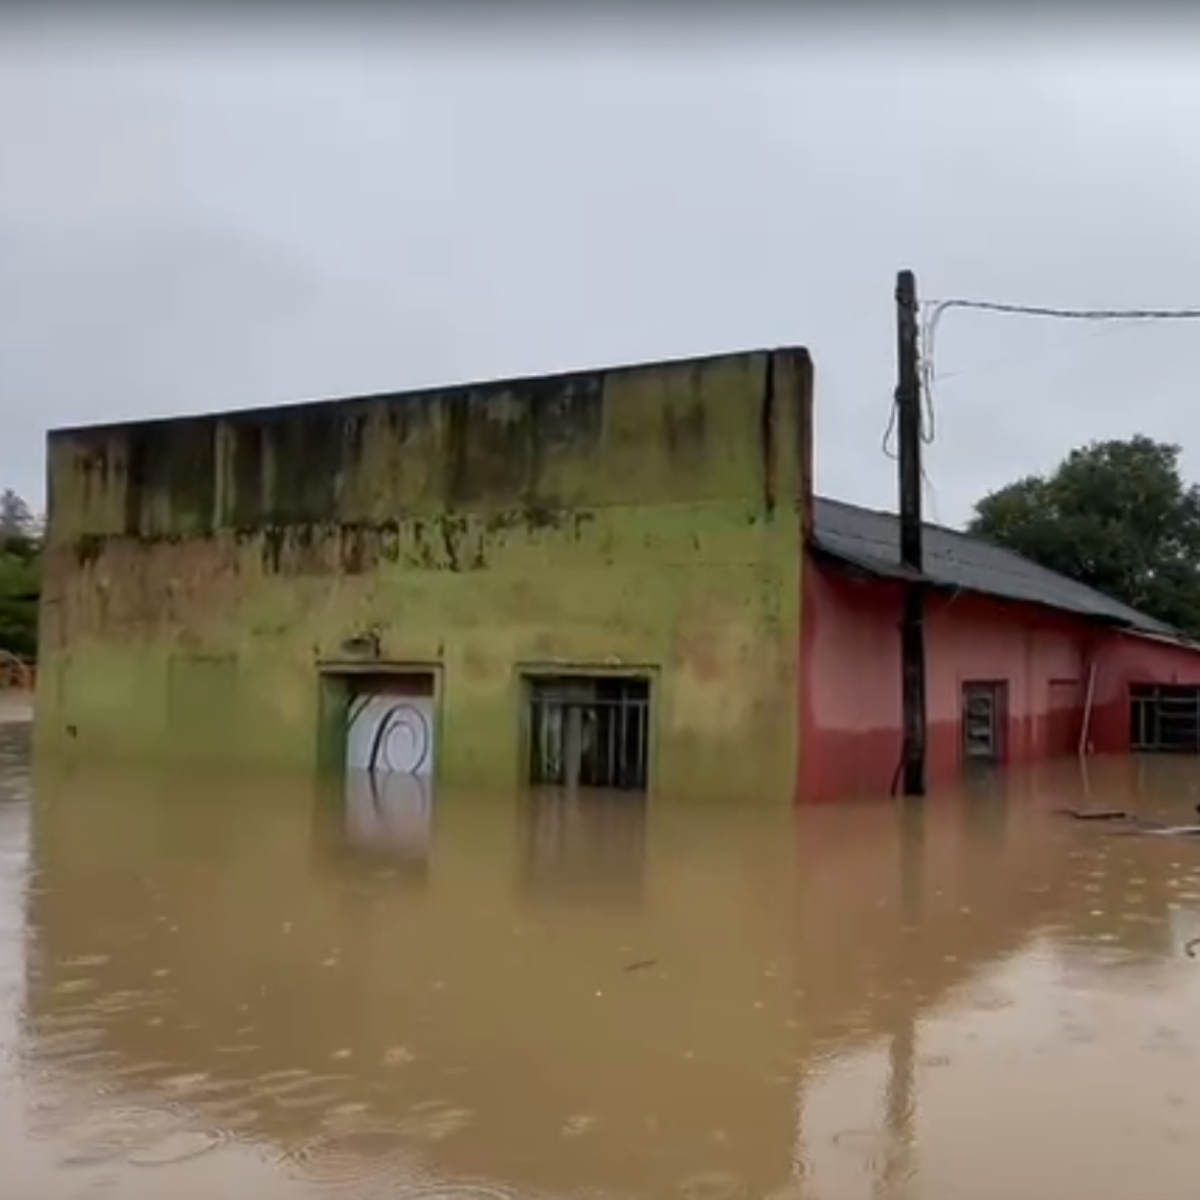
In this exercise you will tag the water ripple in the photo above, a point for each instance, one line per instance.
(353, 1158)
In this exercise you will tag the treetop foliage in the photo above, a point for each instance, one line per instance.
(1116, 515)
(20, 576)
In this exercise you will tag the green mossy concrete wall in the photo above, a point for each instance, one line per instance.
(200, 571)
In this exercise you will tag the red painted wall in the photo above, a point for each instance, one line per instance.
(1124, 660)
(850, 712)
(850, 708)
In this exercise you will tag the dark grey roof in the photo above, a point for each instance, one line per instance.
(870, 540)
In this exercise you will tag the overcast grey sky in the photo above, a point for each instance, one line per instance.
(192, 220)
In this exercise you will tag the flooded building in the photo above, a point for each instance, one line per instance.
(591, 577)
(1022, 664)
(617, 578)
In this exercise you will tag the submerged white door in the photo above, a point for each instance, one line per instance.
(391, 732)
(390, 758)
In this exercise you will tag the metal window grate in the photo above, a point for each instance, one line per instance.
(1164, 718)
(589, 731)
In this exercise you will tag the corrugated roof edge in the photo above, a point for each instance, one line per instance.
(880, 570)
(1136, 623)
(1173, 638)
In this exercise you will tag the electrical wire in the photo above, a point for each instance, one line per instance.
(931, 494)
(938, 307)
(928, 419)
(932, 311)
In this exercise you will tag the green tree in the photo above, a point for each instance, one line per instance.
(1115, 515)
(20, 576)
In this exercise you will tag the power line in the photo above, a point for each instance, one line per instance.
(937, 307)
(932, 311)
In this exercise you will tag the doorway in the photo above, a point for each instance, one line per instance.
(984, 722)
(390, 760)
(390, 723)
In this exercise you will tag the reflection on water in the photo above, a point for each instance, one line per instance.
(584, 848)
(219, 988)
(391, 812)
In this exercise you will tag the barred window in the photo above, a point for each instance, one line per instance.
(1164, 718)
(589, 731)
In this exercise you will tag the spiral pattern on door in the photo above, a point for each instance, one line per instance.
(402, 740)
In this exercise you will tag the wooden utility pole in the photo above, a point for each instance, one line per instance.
(908, 447)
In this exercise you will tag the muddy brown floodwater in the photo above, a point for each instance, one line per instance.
(231, 986)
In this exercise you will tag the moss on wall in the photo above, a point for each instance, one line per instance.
(199, 571)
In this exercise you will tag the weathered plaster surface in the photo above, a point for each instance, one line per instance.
(199, 570)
